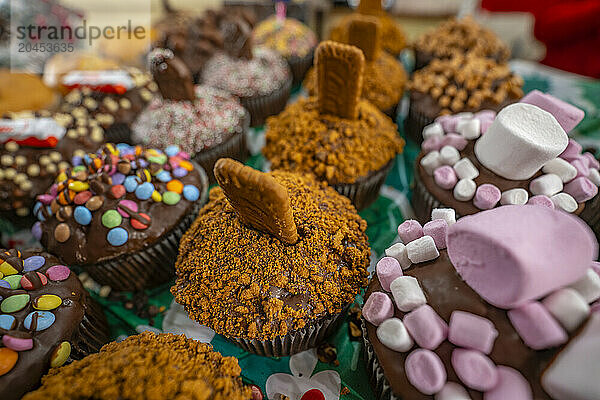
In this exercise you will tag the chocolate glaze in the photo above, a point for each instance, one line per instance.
(79, 321)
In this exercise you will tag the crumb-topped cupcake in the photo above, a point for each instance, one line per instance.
(521, 155)
(464, 83)
(384, 77)
(203, 121)
(163, 366)
(46, 319)
(24, 92)
(494, 306)
(336, 136)
(119, 213)
(458, 37)
(272, 261)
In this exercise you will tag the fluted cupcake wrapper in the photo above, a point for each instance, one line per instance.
(299, 67)
(152, 265)
(261, 107)
(414, 124)
(119, 132)
(391, 112)
(93, 332)
(423, 202)
(364, 191)
(591, 214)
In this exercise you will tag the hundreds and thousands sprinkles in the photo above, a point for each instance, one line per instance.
(128, 174)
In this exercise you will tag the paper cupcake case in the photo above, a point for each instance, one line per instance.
(414, 124)
(119, 132)
(423, 202)
(591, 215)
(93, 331)
(261, 107)
(152, 265)
(381, 387)
(365, 190)
(299, 67)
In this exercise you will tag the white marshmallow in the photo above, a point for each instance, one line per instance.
(432, 130)
(588, 286)
(393, 334)
(422, 249)
(464, 190)
(449, 155)
(465, 169)
(564, 201)
(431, 161)
(447, 214)
(594, 176)
(452, 391)
(522, 138)
(562, 168)
(469, 128)
(464, 115)
(407, 293)
(398, 251)
(548, 185)
(514, 196)
(568, 307)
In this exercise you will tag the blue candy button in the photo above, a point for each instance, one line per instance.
(45, 320)
(191, 192)
(32, 263)
(117, 236)
(82, 215)
(172, 150)
(130, 183)
(144, 191)
(7, 322)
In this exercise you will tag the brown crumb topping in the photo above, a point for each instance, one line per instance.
(459, 36)
(466, 81)
(247, 284)
(383, 82)
(393, 39)
(147, 366)
(336, 150)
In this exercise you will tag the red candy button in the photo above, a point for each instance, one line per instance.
(313, 394)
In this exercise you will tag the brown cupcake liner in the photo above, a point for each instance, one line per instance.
(391, 112)
(365, 190)
(414, 124)
(119, 132)
(93, 332)
(261, 107)
(296, 341)
(423, 202)
(150, 266)
(235, 147)
(591, 215)
(299, 67)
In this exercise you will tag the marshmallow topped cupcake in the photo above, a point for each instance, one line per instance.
(498, 305)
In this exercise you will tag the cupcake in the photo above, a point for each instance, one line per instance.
(203, 121)
(463, 83)
(146, 366)
(289, 37)
(113, 97)
(336, 136)
(24, 92)
(522, 155)
(119, 214)
(393, 39)
(46, 319)
(494, 306)
(35, 146)
(61, 63)
(384, 77)
(272, 261)
(458, 37)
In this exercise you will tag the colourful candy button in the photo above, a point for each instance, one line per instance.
(27, 284)
(82, 215)
(188, 166)
(159, 159)
(144, 191)
(60, 355)
(7, 322)
(111, 219)
(179, 172)
(118, 178)
(17, 344)
(32, 263)
(191, 193)
(175, 186)
(156, 196)
(172, 150)
(58, 272)
(78, 186)
(117, 236)
(138, 224)
(8, 359)
(47, 302)
(117, 191)
(5, 284)
(14, 281)
(163, 176)
(131, 205)
(130, 183)
(14, 303)
(171, 198)
(82, 197)
(45, 319)
(7, 269)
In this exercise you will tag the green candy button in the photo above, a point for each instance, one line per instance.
(111, 219)
(14, 281)
(171, 198)
(78, 168)
(160, 159)
(14, 303)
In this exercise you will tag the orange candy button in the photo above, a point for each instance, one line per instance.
(8, 359)
(175, 186)
(186, 165)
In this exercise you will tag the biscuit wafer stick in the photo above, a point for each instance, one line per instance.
(364, 33)
(370, 7)
(172, 75)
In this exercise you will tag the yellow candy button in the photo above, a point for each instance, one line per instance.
(47, 302)
(61, 177)
(7, 269)
(60, 355)
(157, 197)
(79, 186)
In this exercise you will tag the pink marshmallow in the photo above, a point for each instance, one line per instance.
(432, 144)
(573, 150)
(581, 167)
(511, 385)
(426, 327)
(378, 308)
(484, 125)
(595, 307)
(388, 269)
(485, 115)
(596, 267)
(425, 371)
(455, 140)
(592, 162)
(410, 230)
(437, 230)
(582, 189)
(448, 122)
(536, 326)
(567, 115)
(445, 177)
(541, 200)
(471, 331)
(474, 369)
(486, 196)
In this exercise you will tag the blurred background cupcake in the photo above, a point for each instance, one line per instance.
(25, 92)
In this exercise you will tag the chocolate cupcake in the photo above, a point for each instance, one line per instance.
(24, 92)
(272, 261)
(119, 214)
(459, 37)
(336, 136)
(113, 97)
(148, 365)
(521, 155)
(464, 83)
(46, 319)
(384, 77)
(203, 121)
(494, 306)
(291, 39)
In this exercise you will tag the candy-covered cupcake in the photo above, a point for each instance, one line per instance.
(336, 136)
(203, 121)
(46, 320)
(384, 77)
(496, 306)
(272, 261)
(146, 366)
(522, 155)
(464, 83)
(119, 213)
